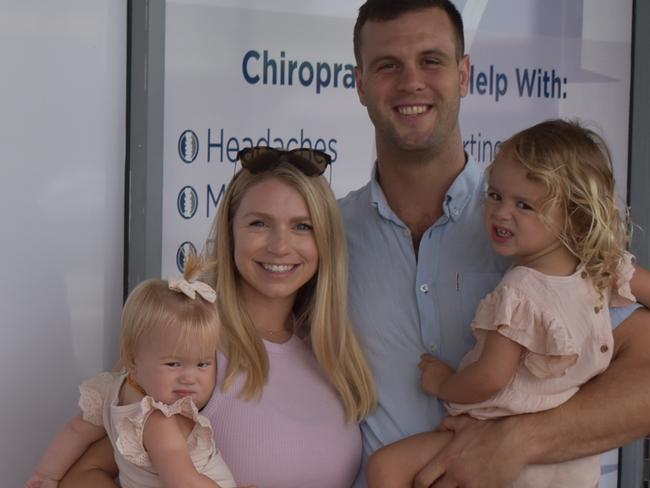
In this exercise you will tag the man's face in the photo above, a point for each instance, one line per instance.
(410, 80)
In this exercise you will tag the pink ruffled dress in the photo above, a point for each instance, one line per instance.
(124, 425)
(568, 340)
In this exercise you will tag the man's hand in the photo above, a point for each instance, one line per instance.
(482, 454)
(434, 374)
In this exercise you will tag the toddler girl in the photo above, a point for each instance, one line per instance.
(150, 410)
(546, 329)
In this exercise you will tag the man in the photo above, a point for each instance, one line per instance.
(420, 262)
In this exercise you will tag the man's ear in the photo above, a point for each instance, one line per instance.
(463, 74)
(358, 78)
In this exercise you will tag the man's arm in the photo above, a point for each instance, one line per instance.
(609, 411)
(640, 285)
(95, 468)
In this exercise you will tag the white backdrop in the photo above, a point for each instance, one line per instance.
(243, 73)
(239, 73)
(62, 112)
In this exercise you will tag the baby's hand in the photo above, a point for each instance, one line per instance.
(434, 374)
(38, 481)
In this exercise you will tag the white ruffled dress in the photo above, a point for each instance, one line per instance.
(124, 425)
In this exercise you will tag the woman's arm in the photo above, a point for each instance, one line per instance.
(165, 439)
(96, 468)
(478, 381)
(65, 449)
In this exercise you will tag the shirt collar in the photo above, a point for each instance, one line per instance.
(463, 189)
(458, 196)
(378, 199)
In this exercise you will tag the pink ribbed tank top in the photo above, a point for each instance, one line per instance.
(295, 435)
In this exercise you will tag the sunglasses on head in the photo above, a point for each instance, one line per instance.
(311, 162)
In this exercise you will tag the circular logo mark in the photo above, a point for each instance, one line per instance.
(188, 146)
(187, 202)
(183, 252)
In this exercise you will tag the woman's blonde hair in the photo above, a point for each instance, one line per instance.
(574, 164)
(152, 308)
(320, 309)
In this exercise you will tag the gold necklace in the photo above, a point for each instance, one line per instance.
(281, 335)
(275, 335)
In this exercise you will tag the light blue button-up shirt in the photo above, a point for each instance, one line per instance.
(403, 306)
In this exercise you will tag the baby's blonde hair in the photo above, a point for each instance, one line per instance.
(574, 164)
(152, 308)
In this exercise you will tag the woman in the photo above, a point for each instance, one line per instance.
(292, 380)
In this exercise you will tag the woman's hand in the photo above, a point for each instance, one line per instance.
(95, 468)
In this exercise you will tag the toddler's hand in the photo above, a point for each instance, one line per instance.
(434, 374)
(38, 481)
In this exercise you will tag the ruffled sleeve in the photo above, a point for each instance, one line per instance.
(130, 429)
(550, 348)
(621, 295)
(92, 394)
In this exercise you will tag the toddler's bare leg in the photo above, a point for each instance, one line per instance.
(396, 465)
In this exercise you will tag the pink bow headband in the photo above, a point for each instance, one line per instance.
(191, 288)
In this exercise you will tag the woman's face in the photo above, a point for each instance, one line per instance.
(275, 250)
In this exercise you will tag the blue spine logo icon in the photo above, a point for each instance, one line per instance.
(188, 146)
(187, 202)
(184, 250)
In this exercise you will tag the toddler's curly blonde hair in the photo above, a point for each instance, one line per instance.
(574, 164)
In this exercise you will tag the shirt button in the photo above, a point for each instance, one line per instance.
(432, 348)
(424, 288)
(604, 348)
(455, 212)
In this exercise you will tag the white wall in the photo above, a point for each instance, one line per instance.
(62, 149)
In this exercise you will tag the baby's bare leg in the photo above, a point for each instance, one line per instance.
(396, 465)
